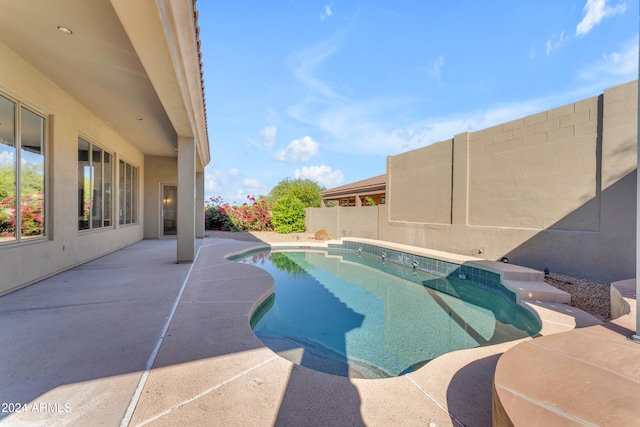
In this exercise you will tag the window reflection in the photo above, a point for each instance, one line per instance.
(7, 170)
(32, 133)
(95, 176)
(128, 193)
(22, 172)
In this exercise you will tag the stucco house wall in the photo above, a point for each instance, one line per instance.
(126, 77)
(552, 190)
(159, 171)
(66, 120)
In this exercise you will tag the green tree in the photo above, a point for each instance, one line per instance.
(305, 190)
(287, 215)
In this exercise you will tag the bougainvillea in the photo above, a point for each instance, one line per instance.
(254, 215)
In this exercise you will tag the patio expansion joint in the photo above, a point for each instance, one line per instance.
(154, 354)
(552, 322)
(207, 391)
(583, 361)
(550, 408)
(84, 304)
(220, 302)
(433, 399)
(231, 277)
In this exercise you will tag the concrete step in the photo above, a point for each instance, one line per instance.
(537, 290)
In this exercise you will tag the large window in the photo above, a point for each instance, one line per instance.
(22, 172)
(95, 181)
(128, 189)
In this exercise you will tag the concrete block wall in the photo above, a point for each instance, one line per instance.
(552, 190)
(340, 221)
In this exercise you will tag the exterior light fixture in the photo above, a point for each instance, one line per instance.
(65, 30)
(139, 119)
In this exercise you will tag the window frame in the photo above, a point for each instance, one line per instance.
(18, 132)
(106, 195)
(128, 193)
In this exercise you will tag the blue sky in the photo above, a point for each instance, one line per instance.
(326, 90)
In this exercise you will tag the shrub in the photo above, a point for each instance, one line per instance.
(369, 201)
(253, 216)
(307, 191)
(288, 215)
(215, 215)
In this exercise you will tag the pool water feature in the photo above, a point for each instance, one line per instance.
(353, 314)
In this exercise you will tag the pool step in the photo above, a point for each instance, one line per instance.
(537, 290)
(527, 283)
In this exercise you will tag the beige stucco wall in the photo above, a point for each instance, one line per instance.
(64, 247)
(158, 171)
(555, 189)
(345, 221)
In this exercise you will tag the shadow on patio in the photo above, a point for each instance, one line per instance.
(77, 345)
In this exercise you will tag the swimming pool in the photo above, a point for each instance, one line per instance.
(353, 314)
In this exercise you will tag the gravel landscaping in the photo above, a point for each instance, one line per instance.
(587, 295)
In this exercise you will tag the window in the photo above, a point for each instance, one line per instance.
(22, 172)
(95, 179)
(128, 190)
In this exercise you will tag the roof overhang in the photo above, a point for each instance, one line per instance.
(134, 64)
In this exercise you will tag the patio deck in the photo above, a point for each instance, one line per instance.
(135, 339)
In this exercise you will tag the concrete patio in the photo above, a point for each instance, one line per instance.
(133, 338)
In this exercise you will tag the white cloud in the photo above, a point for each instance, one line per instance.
(437, 66)
(298, 151)
(622, 63)
(251, 183)
(231, 185)
(327, 12)
(322, 174)
(555, 42)
(305, 62)
(594, 12)
(6, 158)
(269, 136)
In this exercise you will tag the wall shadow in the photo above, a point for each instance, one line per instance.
(102, 320)
(317, 399)
(307, 324)
(470, 390)
(606, 254)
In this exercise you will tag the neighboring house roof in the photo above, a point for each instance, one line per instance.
(377, 183)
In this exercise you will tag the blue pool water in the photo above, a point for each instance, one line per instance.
(354, 315)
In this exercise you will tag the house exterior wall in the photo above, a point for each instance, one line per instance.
(64, 246)
(555, 189)
(158, 171)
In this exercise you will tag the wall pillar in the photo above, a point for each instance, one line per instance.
(200, 205)
(460, 180)
(186, 200)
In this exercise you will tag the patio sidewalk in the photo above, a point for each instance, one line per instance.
(81, 344)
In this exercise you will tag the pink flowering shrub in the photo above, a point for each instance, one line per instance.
(252, 216)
